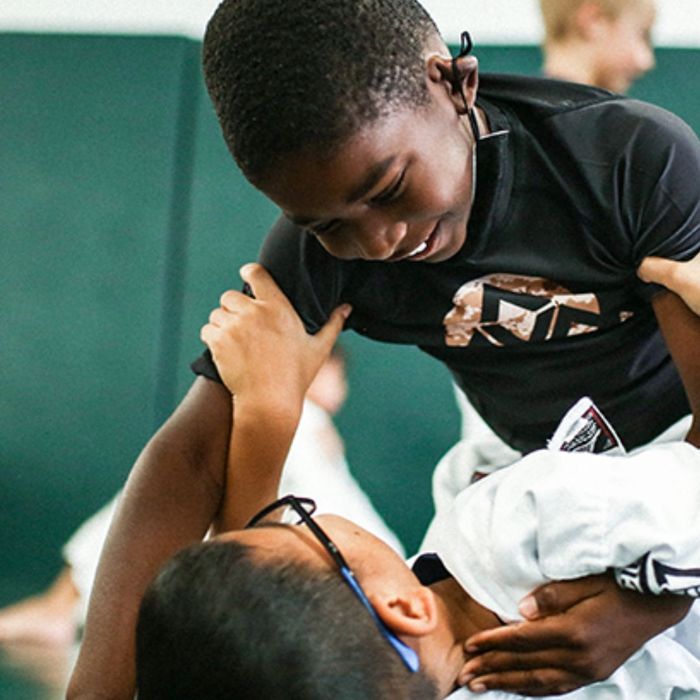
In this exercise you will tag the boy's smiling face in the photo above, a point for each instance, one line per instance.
(399, 189)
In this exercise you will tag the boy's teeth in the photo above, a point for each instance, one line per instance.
(419, 249)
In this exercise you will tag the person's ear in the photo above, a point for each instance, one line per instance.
(459, 77)
(590, 20)
(411, 612)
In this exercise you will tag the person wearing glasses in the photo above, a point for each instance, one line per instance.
(305, 607)
(606, 43)
(496, 222)
(316, 465)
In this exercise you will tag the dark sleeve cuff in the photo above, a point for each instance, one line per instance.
(647, 290)
(205, 367)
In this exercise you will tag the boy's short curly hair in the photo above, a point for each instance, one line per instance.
(217, 624)
(286, 76)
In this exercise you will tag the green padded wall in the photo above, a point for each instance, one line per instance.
(123, 217)
(91, 172)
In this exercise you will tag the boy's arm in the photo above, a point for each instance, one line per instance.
(177, 485)
(566, 515)
(170, 499)
(268, 361)
(681, 330)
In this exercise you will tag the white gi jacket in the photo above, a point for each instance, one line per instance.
(557, 516)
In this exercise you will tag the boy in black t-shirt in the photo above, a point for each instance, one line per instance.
(219, 614)
(497, 224)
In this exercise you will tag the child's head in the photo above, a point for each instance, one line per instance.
(262, 614)
(350, 116)
(287, 77)
(329, 388)
(611, 38)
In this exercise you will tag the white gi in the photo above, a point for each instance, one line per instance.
(316, 467)
(557, 516)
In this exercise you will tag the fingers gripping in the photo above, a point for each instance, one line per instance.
(245, 334)
(235, 303)
(540, 645)
(261, 283)
(566, 646)
(219, 318)
(329, 333)
(232, 300)
(558, 596)
(658, 270)
(520, 637)
(265, 288)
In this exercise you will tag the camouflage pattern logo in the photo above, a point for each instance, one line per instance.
(507, 309)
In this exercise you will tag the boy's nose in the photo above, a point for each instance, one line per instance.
(645, 59)
(378, 239)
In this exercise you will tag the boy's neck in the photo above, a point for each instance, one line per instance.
(570, 60)
(459, 616)
(482, 121)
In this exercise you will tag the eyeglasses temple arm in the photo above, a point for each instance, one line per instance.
(407, 654)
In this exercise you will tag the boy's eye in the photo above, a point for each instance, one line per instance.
(322, 229)
(391, 193)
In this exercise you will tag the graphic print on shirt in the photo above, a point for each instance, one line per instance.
(507, 309)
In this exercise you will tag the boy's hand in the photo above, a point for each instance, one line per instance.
(260, 345)
(577, 632)
(683, 278)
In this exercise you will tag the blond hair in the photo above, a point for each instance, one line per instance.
(560, 15)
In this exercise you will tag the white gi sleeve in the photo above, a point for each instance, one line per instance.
(481, 453)
(557, 516)
(317, 467)
(82, 551)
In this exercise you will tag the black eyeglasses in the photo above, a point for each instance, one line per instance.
(304, 509)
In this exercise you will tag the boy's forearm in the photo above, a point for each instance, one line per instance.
(258, 450)
(267, 360)
(171, 497)
(681, 331)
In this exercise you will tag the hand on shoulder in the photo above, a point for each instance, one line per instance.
(260, 345)
(683, 278)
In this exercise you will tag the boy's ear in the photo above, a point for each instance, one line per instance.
(459, 77)
(411, 612)
(588, 19)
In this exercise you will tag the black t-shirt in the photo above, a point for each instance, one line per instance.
(542, 305)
